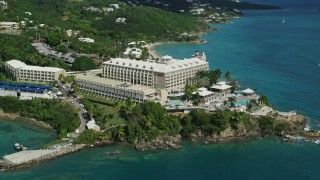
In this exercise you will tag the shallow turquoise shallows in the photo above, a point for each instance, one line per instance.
(280, 60)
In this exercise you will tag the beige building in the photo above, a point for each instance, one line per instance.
(7, 25)
(168, 74)
(22, 72)
(113, 89)
(140, 80)
(206, 96)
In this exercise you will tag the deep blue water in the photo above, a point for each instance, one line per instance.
(279, 59)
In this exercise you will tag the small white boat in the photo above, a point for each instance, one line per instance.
(17, 146)
(283, 20)
(317, 142)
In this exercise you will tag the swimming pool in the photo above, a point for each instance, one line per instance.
(241, 102)
(175, 103)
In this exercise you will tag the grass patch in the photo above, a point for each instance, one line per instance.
(98, 100)
(116, 119)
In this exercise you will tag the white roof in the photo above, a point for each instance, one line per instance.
(221, 83)
(21, 65)
(248, 91)
(220, 87)
(86, 39)
(202, 89)
(171, 66)
(91, 124)
(16, 63)
(203, 93)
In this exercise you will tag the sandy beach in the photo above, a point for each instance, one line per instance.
(151, 47)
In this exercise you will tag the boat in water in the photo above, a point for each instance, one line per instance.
(19, 147)
(283, 20)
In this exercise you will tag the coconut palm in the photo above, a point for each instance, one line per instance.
(117, 106)
(252, 104)
(263, 100)
(227, 76)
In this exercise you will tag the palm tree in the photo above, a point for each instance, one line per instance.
(119, 134)
(263, 100)
(74, 86)
(252, 104)
(227, 76)
(61, 77)
(117, 106)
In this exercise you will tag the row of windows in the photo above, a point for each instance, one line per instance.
(36, 72)
(27, 77)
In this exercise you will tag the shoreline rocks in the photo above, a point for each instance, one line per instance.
(163, 142)
(17, 117)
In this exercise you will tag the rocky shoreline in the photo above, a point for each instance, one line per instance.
(296, 125)
(17, 117)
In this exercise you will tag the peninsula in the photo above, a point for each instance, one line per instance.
(85, 70)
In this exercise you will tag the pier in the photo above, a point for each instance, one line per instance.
(30, 158)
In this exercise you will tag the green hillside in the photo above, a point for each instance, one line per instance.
(91, 19)
(149, 21)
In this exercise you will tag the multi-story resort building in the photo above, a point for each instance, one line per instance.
(122, 78)
(169, 74)
(22, 72)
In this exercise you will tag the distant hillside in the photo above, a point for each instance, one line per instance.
(177, 5)
(89, 16)
(148, 21)
(49, 19)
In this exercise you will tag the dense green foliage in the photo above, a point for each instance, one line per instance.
(141, 122)
(102, 115)
(206, 78)
(177, 5)
(83, 63)
(143, 22)
(214, 122)
(219, 120)
(14, 47)
(111, 38)
(148, 120)
(62, 116)
(88, 137)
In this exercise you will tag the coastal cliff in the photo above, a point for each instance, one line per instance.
(295, 125)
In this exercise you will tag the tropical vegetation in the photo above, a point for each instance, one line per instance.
(61, 115)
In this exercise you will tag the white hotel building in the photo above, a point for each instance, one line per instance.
(22, 72)
(123, 78)
(169, 74)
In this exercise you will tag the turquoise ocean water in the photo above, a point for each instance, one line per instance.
(280, 60)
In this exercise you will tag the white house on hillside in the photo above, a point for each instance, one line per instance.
(121, 20)
(86, 40)
(115, 6)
